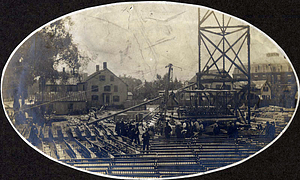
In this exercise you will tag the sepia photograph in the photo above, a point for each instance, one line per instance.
(149, 90)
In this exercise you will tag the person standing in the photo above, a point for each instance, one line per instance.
(118, 128)
(178, 130)
(267, 129)
(216, 129)
(146, 138)
(168, 130)
(122, 128)
(272, 131)
(137, 134)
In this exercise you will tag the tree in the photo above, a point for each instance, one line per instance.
(38, 57)
(149, 90)
(134, 85)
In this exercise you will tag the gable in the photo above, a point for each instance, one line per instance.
(104, 71)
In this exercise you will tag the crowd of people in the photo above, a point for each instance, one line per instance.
(189, 128)
(128, 129)
(131, 130)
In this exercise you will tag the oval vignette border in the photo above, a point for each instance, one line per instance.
(234, 164)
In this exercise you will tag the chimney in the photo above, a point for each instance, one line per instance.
(84, 76)
(97, 68)
(64, 69)
(104, 65)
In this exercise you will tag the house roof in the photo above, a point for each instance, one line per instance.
(70, 81)
(99, 72)
(280, 65)
(259, 84)
(62, 97)
(240, 84)
(212, 74)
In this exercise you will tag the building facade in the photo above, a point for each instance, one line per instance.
(278, 75)
(262, 88)
(102, 88)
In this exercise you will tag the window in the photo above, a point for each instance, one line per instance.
(95, 97)
(106, 88)
(115, 88)
(218, 86)
(266, 88)
(94, 88)
(70, 106)
(69, 88)
(227, 87)
(116, 98)
(53, 89)
(49, 109)
(278, 77)
(102, 78)
(112, 78)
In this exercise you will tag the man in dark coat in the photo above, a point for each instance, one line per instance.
(168, 130)
(122, 128)
(178, 130)
(137, 135)
(216, 129)
(272, 131)
(146, 138)
(118, 128)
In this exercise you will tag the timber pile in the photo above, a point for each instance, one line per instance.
(175, 157)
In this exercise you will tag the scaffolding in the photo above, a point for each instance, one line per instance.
(222, 46)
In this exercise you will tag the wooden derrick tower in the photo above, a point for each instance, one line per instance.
(223, 45)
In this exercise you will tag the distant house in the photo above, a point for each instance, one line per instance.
(63, 103)
(214, 75)
(274, 73)
(262, 89)
(214, 79)
(129, 96)
(102, 88)
(279, 77)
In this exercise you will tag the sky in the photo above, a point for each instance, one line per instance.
(140, 40)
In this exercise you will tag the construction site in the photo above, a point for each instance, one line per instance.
(209, 123)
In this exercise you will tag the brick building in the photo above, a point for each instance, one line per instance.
(278, 75)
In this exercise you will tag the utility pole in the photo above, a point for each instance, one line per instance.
(166, 95)
(168, 80)
(199, 53)
(198, 97)
(249, 75)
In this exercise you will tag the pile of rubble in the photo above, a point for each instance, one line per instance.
(275, 113)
